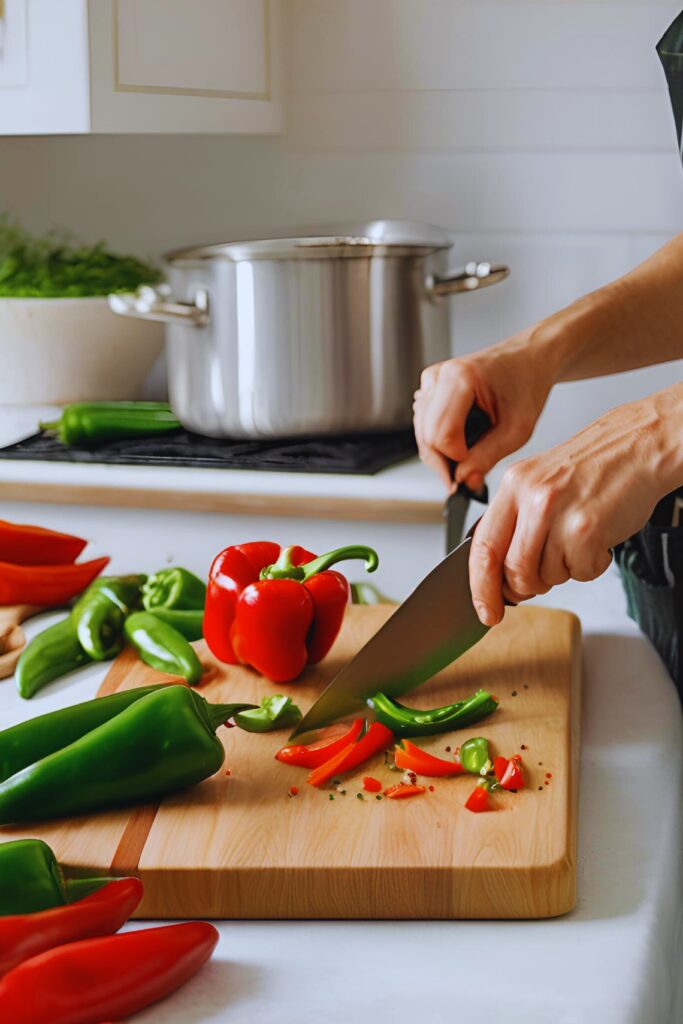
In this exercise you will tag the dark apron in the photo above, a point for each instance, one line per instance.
(651, 562)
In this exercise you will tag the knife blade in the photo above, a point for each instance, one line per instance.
(434, 626)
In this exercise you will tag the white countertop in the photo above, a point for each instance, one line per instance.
(615, 959)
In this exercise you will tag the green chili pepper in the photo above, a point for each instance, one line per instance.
(92, 423)
(162, 647)
(51, 654)
(32, 880)
(100, 612)
(276, 712)
(474, 755)
(162, 743)
(30, 741)
(174, 588)
(404, 721)
(187, 621)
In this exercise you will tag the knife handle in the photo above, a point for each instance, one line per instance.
(476, 425)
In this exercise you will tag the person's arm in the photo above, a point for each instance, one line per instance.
(635, 321)
(557, 515)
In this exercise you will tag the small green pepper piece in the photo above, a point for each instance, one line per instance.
(276, 712)
(92, 423)
(405, 721)
(188, 621)
(174, 588)
(164, 742)
(99, 614)
(162, 647)
(474, 755)
(51, 654)
(32, 880)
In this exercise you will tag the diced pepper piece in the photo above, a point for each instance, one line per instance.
(377, 738)
(479, 800)
(413, 758)
(513, 777)
(500, 765)
(312, 755)
(371, 785)
(403, 790)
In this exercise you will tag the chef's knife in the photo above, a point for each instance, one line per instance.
(434, 626)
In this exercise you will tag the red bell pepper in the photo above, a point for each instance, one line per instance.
(312, 755)
(376, 739)
(500, 767)
(47, 585)
(103, 912)
(413, 759)
(371, 785)
(512, 777)
(21, 544)
(106, 978)
(276, 609)
(479, 800)
(402, 790)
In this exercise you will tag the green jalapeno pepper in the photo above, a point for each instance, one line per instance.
(32, 880)
(92, 423)
(51, 654)
(405, 721)
(162, 647)
(276, 712)
(188, 621)
(100, 612)
(474, 755)
(174, 588)
(161, 743)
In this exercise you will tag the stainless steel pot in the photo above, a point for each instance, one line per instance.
(308, 335)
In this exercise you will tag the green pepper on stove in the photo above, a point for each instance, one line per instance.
(51, 654)
(405, 721)
(31, 879)
(162, 647)
(276, 712)
(162, 742)
(100, 612)
(474, 755)
(174, 588)
(188, 621)
(93, 423)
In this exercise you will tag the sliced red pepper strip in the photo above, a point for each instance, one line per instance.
(106, 978)
(46, 584)
(414, 759)
(312, 755)
(377, 738)
(103, 912)
(402, 790)
(479, 800)
(500, 765)
(371, 785)
(21, 544)
(513, 777)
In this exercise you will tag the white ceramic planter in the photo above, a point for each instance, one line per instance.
(54, 351)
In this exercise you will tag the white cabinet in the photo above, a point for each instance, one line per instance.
(77, 66)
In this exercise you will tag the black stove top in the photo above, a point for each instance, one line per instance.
(349, 453)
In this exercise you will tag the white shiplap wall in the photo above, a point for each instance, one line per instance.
(538, 133)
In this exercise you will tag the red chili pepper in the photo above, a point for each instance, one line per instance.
(103, 912)
(377, 738)
(513, 777)
(107, 978)
(402, 790)
(21, 544)
(479, 800)
(414, 759)
(46, 584)
(276, 609)
(312, 755)
(371, 785)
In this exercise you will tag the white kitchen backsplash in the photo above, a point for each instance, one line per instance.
(539, 134)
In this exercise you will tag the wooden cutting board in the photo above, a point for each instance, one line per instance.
(238, 846)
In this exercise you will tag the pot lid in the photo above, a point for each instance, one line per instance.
(377, 237)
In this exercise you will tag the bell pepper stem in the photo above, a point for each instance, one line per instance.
(284, 569)
(219, 714)
(49, 425)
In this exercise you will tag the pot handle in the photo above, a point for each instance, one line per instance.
(149, 303)
(466, 279)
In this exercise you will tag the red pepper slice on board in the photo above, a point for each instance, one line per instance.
(376, 739)
(277, 609)
(312, 755)
(402, 790)
(513, 777)
(106, 978)
(46, 585)
(103, 912)
(479, 800)
(500, 767)
(414, 759)
(371, 785)
(21, 544)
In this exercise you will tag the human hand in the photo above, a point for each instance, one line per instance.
(557, 515)
(509, 381)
